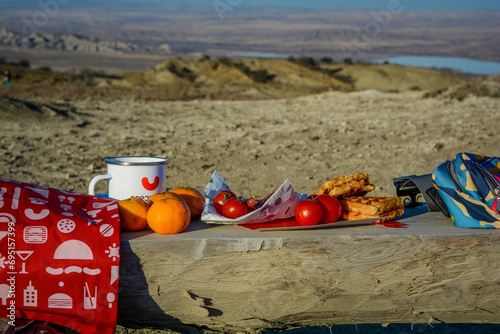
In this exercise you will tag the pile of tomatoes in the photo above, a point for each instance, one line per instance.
(228, 205)
(317, 209)
(311, 211)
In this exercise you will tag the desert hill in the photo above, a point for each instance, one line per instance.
(70, 42)
(234, 79)
(231, 79)
(394, 78)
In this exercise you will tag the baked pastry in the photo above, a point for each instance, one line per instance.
(361, 207)
(357, 184)
(385, 217)
(372, 206)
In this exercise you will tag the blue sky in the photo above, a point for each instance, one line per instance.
(407, 4)
(311, 4)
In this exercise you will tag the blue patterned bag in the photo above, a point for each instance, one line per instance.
(469, 185)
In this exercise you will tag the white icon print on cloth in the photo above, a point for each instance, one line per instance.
(89, 301)
(3, 190)
(5, 218)
(66, 208)
(63, 198)
(106, 230)
(73, 250)
(35, 234)
(68, 192)
(30, 213)
(3, 262)
(100, 205)
(73, 269)
(60, 300)
(115, 273)
(30, 296)
(15, 199)
(40, 190)
(36, 216)
(24, 255)
(113, 252)
(93, 213)
(38, 201)
(66, 225)
(4, 293)
(110, 298)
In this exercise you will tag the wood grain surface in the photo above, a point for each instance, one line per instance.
(229, 279)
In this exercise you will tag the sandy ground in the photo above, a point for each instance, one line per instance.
(254, 145)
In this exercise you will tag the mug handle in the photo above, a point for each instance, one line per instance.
(95, 180)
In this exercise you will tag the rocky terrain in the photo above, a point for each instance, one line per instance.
(226, 79)
(70, 42)
(255, 145)
(57, 128)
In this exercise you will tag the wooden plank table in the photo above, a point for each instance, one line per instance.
(228, 278)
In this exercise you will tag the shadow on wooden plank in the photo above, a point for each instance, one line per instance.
(135, 302)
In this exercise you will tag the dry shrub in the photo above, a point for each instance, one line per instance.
(474, 88)
(495, 78)
(484, 87)
(177, 90)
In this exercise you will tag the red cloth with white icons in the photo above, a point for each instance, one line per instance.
(59, 257)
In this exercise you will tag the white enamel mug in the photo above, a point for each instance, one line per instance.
(133, 177)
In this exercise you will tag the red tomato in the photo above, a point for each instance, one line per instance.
(308, 212)
(221, 198)
(331, 208)
(234, 208)
(251, 203)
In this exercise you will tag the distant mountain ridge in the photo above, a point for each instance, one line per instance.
(70, 42)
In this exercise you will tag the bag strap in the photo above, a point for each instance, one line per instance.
(413, 185)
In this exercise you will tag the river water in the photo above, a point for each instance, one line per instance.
(461, 64)
(455, 63)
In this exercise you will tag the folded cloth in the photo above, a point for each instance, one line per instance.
(59, 257)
